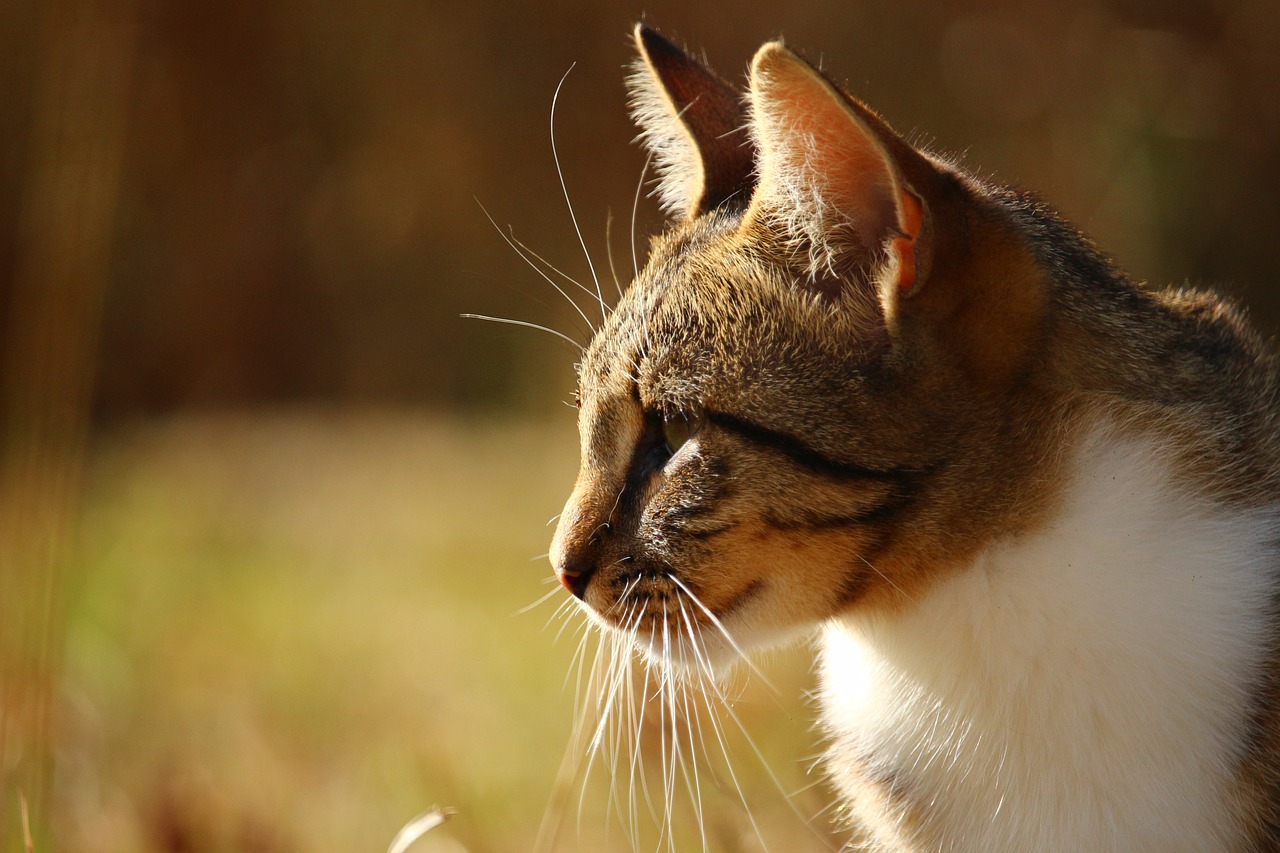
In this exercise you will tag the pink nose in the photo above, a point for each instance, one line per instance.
(575, 577)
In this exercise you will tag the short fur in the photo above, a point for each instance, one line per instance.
(1032, 505)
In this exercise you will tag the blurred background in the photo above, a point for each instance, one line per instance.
(271, 511)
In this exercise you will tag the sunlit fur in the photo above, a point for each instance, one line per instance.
(1083, 687)
(676, 160)
(674, 699)
(1030, 506)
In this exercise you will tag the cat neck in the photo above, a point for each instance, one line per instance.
(1073, 686)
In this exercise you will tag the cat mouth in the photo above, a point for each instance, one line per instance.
(663, 618)
(649, 599)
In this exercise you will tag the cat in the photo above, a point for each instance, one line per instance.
(1029, 508)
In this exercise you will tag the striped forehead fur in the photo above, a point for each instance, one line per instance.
(725, 293)
(690, 356)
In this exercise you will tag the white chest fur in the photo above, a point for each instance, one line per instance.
(1083, 688)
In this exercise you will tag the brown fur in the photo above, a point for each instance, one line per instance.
(864, 439)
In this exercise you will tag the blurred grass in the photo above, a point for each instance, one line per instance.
(296, 629)
(293, 629)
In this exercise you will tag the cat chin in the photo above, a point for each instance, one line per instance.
(691, 643)
(713, 658)
(717, 655)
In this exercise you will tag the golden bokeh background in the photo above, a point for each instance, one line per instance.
(270, 509)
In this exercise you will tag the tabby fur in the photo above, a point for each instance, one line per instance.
(1029, 507)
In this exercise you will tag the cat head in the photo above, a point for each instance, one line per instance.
(815, 397)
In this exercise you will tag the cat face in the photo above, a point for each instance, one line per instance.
(715, 472)
(803, 403)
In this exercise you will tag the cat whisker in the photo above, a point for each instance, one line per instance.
(603, 674)
(570, 769)
(621, 743)
(675, 690)
(662, 732)
(560, 173)
(603, 648)
(563, 612)
(576, 665)
(702, 675)
(886, 578)
(620, 728)
(564, 275)
(543, 599)
(580, 727)
(712, 719)
(626, 590)
(608, 251)
(764, 763)
(671, 755)
(676, 698)
(639, 704)
(578, 327)
(603, 737)
(724, 632)
(635, 207)
(561, 335)
(515, 247)
(725, 703)
(634, 727)
(705, 677)
(696, 788)
(627, 747)
(705, 666)
(617, 722)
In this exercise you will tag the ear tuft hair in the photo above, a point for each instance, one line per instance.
(694, 125)
(832, 179)
(674, 156)
(823, 172)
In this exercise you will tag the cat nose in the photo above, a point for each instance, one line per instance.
(575, 549)
(575, 575)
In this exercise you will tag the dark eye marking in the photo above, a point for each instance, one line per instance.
(808, 457)
(709, 532)
(876, 513)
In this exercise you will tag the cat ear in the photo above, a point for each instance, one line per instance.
(832, 173)
(694, 124)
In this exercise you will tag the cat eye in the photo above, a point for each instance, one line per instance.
(679, 427)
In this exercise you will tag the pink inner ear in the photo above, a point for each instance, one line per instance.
(828, 146)
(904, 245)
